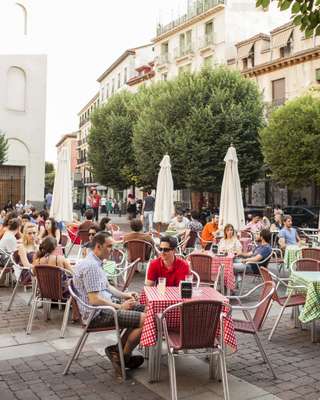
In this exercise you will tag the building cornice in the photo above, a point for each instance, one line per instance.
(94, 98)
(119, 60)
(283, 27)
(280, 63)
(72, 135)
(262, 36)
(188, 23)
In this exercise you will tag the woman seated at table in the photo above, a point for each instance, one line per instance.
(229, 243)
(51, 230)
(208, 234)
(167, 265)
(105, 225)
(29, 245)
(45, 255)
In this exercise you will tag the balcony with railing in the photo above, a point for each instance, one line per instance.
(206, 43)
(181, 53)
(163, 59)
(195, 8)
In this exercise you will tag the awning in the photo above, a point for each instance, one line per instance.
(281, 39)
(243, 51)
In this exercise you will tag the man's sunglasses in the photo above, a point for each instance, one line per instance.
(164, 249)
(91, 233)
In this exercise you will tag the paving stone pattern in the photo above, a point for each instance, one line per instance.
(90, 378)
(295, 359)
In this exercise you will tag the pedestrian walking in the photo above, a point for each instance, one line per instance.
(94, 202)
(148, 212)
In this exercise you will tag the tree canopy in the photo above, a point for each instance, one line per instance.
(110, 142)
(3, 148)
(291, 142)
(304, 13)
(194, 118)
(49, 177)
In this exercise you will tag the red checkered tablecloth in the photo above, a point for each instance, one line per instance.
(157, 303)
(227, 261)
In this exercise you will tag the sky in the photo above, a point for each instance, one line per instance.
(81, 39)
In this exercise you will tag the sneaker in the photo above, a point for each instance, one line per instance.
(134, 362)
(112, 352)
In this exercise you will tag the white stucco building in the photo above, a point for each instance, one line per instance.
(22, 105)
(207, 32)
(133, 63)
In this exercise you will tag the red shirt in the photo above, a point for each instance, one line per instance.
(95, 201)
(174, 274)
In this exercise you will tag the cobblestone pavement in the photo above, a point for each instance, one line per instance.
(90, 378)
(295, 359)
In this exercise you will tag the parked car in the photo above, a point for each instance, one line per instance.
(253, 210)
(304, 217)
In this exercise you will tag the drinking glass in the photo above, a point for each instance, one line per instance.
(162, 286)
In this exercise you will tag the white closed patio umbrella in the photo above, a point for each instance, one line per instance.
(231, 205)
(61, 206)
(164, 208)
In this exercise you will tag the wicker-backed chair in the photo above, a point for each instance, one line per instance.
(6, 265)
(305, 264)
(251, 325)
(292, 299)
(202, 265)
(258, 264)
(138, 249)
(50, 290)
(23, 277)
(127, 274)
(87, 329)
(246, 234)
(199, 323)
(313, 253)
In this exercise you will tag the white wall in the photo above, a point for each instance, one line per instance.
(26, 129)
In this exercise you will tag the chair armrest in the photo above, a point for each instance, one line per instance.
(246, 294)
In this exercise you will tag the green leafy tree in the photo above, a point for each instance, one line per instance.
(3, 148)
(291, 142)
(304, 13)
(110, 142)
(49, 177)
(194, 118)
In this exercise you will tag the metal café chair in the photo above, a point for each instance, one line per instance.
(6, 266)
(255, 275)
(199, 323)
(93, 310)
(24, 278)
(202, 265)
(305, 264)
(289, 300)
(49, 290)
(312, 252)
(138, 249)
(251, 325)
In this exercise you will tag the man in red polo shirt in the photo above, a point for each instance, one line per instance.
(167, 265)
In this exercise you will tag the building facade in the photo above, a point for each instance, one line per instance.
(133, 68)
(23, 73)
(284, 64)
(206, 34)
(85, 178)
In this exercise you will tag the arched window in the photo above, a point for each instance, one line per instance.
(16, 89)
(23, 17)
